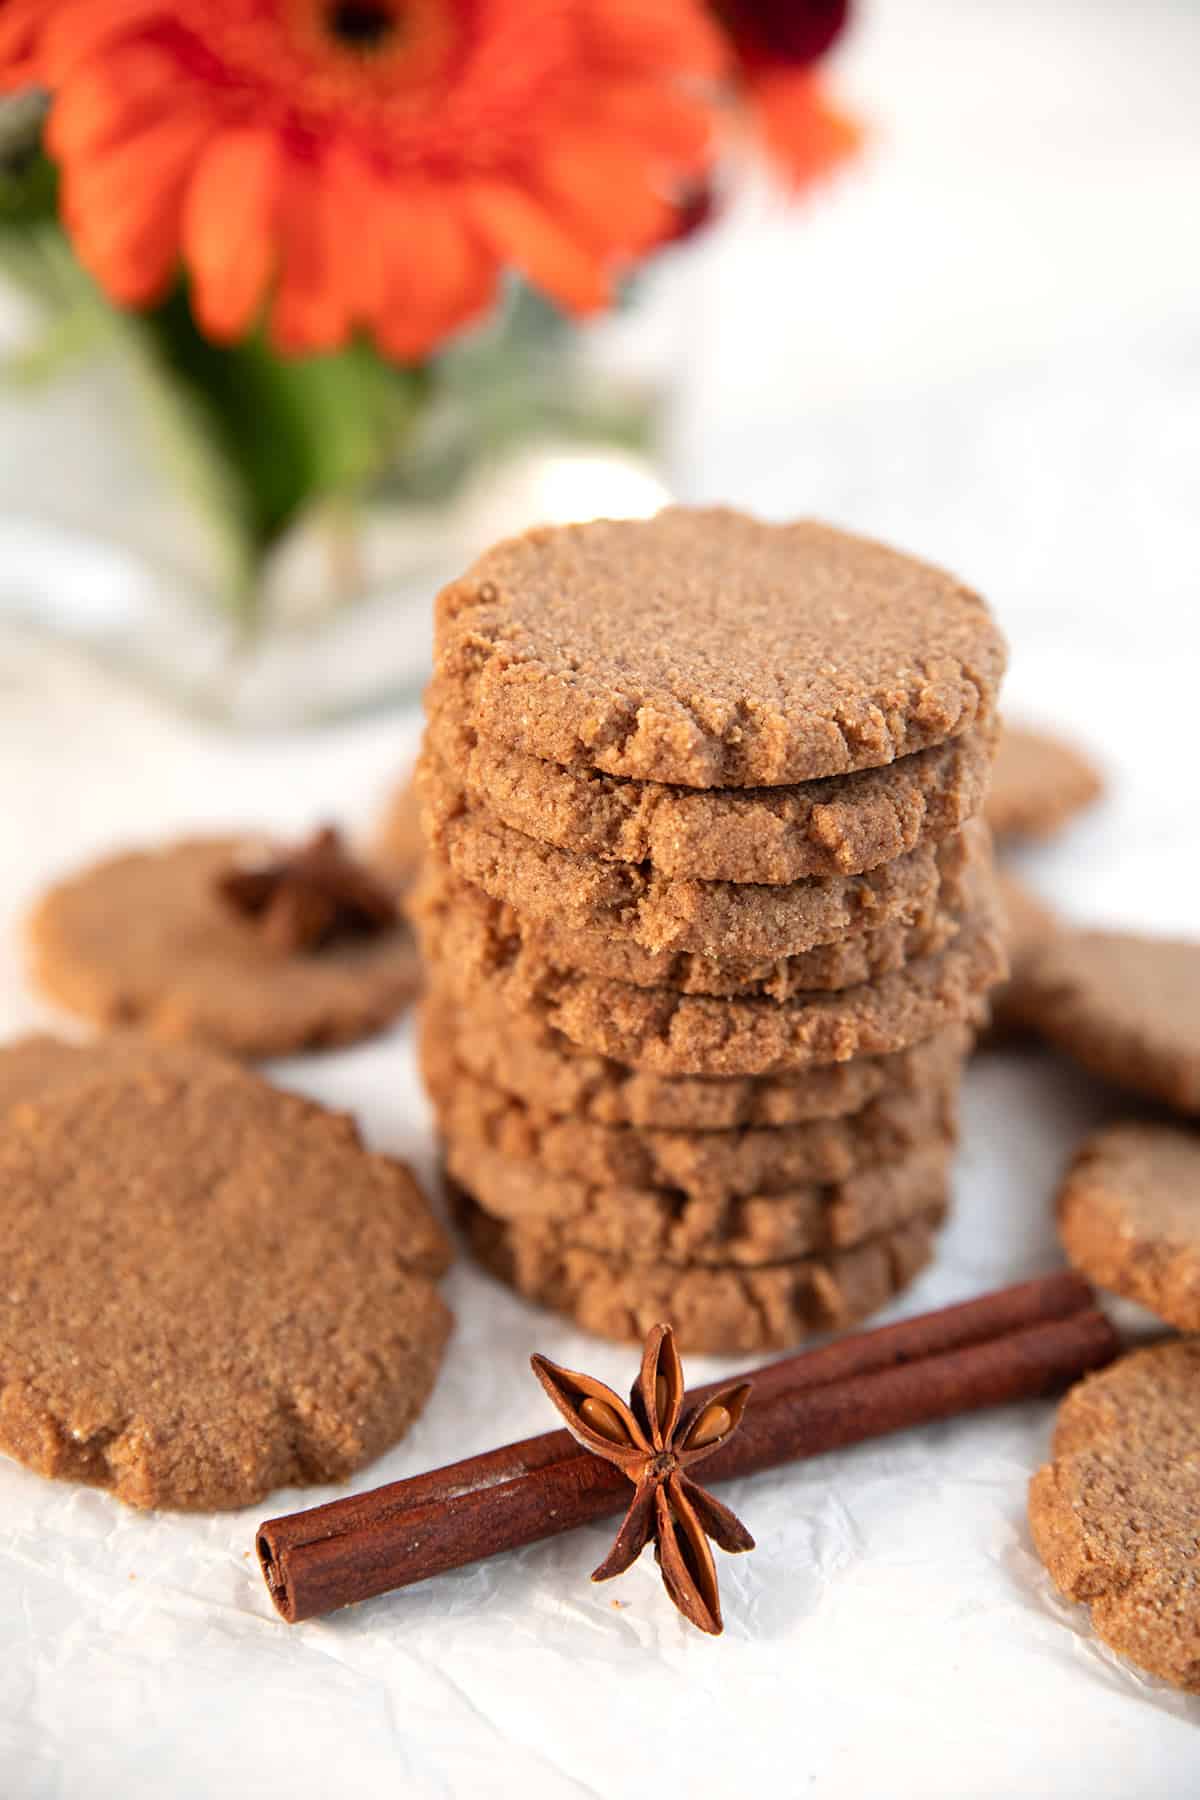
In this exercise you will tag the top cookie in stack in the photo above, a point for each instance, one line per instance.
(699, 795)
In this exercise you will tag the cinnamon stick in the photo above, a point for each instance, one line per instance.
(1014, 1344)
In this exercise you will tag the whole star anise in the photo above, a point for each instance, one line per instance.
(655, 1442)
(309, 898)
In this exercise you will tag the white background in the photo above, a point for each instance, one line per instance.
(984, 345)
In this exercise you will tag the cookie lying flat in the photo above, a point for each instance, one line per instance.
(631, 901)
(440, 898)
(706, 1164)
(1126, 1007)
(1038, 784)
(211, 1289)
(523, 1056)
(685, 1034)
(1114, 1516)
(1129, 1217)
(145, 940)
(841, 826)
(711, 1309)
(708, 649)
(748, 1230)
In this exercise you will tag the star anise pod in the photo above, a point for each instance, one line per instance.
(309, 898)
(655, 1441)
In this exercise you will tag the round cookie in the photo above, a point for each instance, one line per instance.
(1129, 1217)
(1038, 785)
(630, 901)
(684, 1034)
(706, 648)
(1126, 1007)
(841, 826)
(523, 1055)
(722, 1310)
(745, 1229)
(963, 862)
(1114, 1515)
(187, 1318)
(145, 940)
(706, 1164)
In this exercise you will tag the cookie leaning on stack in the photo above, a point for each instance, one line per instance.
(706, 916)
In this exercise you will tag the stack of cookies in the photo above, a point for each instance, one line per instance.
(708, 916)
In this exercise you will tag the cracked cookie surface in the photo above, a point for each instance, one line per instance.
(706, 648)
(211, 1288)
(1113, 1516)
(143, 940)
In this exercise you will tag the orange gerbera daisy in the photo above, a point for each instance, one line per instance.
(365, 164)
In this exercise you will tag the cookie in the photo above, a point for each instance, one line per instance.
(685, 1034)
(706, 1164)
(1129, 1217)
(145, 940)
(211, 1288)
(398, 845)
(1029, 925)
(1038, 785)
(746, 1229)
(706, 648)
(440, 896)
(1114, 1515)
(840, 826)
(522, 1055)
(630, 901)
(1126, 1007)
(721, 1310)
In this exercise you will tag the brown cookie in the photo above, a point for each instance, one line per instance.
(187, 1318)
(145, 939)
(712, 650)
(1030, 925)
(398, 845)
(1126, 1007)
(721, 1310)
(841, 826)
(744, 1229)
(1038, 784)
(1129, 1217)
(523, 1056)
(1114, 1515)
(441, 897)
(630, 901)
(685, 1034)
(706, 1164)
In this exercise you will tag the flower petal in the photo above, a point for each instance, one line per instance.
(720, 1524)
(229, 229)
(310, 312)
(77, 29)
(633, 1535)
(21, 27)
(108, 98)
(688, 1570)
(658, 35)
(805, 135)
(603, 189)
(567, 1389)
(435, 275)
(123, 209)
(524, 234)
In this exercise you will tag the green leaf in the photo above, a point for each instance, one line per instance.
(293, 430)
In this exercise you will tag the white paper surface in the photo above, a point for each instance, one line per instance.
(986, 350)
